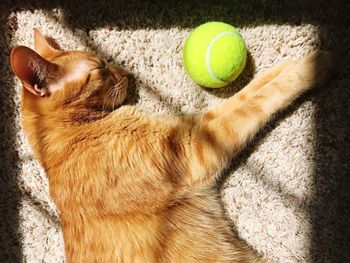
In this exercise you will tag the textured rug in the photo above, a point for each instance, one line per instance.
(287, 194)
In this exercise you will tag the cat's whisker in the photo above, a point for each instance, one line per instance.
(116, 94)
(119, 91)
(106, 100)
(104, 107)
(111, 95)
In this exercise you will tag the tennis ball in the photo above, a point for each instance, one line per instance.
(214, 54)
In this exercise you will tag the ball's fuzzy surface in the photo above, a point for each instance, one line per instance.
(214, 54)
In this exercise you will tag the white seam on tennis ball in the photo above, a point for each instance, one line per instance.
(207, 55)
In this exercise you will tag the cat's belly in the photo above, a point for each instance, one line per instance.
(193, 230)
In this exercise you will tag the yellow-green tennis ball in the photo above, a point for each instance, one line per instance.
(214, 54)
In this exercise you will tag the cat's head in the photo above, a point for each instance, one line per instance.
(54, 79)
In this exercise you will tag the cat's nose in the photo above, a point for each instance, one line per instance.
(118, 71)
(123, 73)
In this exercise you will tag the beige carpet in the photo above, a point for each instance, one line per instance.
(288, 194)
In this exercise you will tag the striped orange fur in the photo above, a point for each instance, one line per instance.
(131, 187)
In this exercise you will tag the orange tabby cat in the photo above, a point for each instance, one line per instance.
(132, 187)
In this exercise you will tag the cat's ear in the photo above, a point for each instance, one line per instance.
(33, 70)
(42, 46)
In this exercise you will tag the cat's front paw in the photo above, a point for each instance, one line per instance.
(316, 68)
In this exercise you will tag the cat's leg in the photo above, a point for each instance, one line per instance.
(223, 131)
(259, 81)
